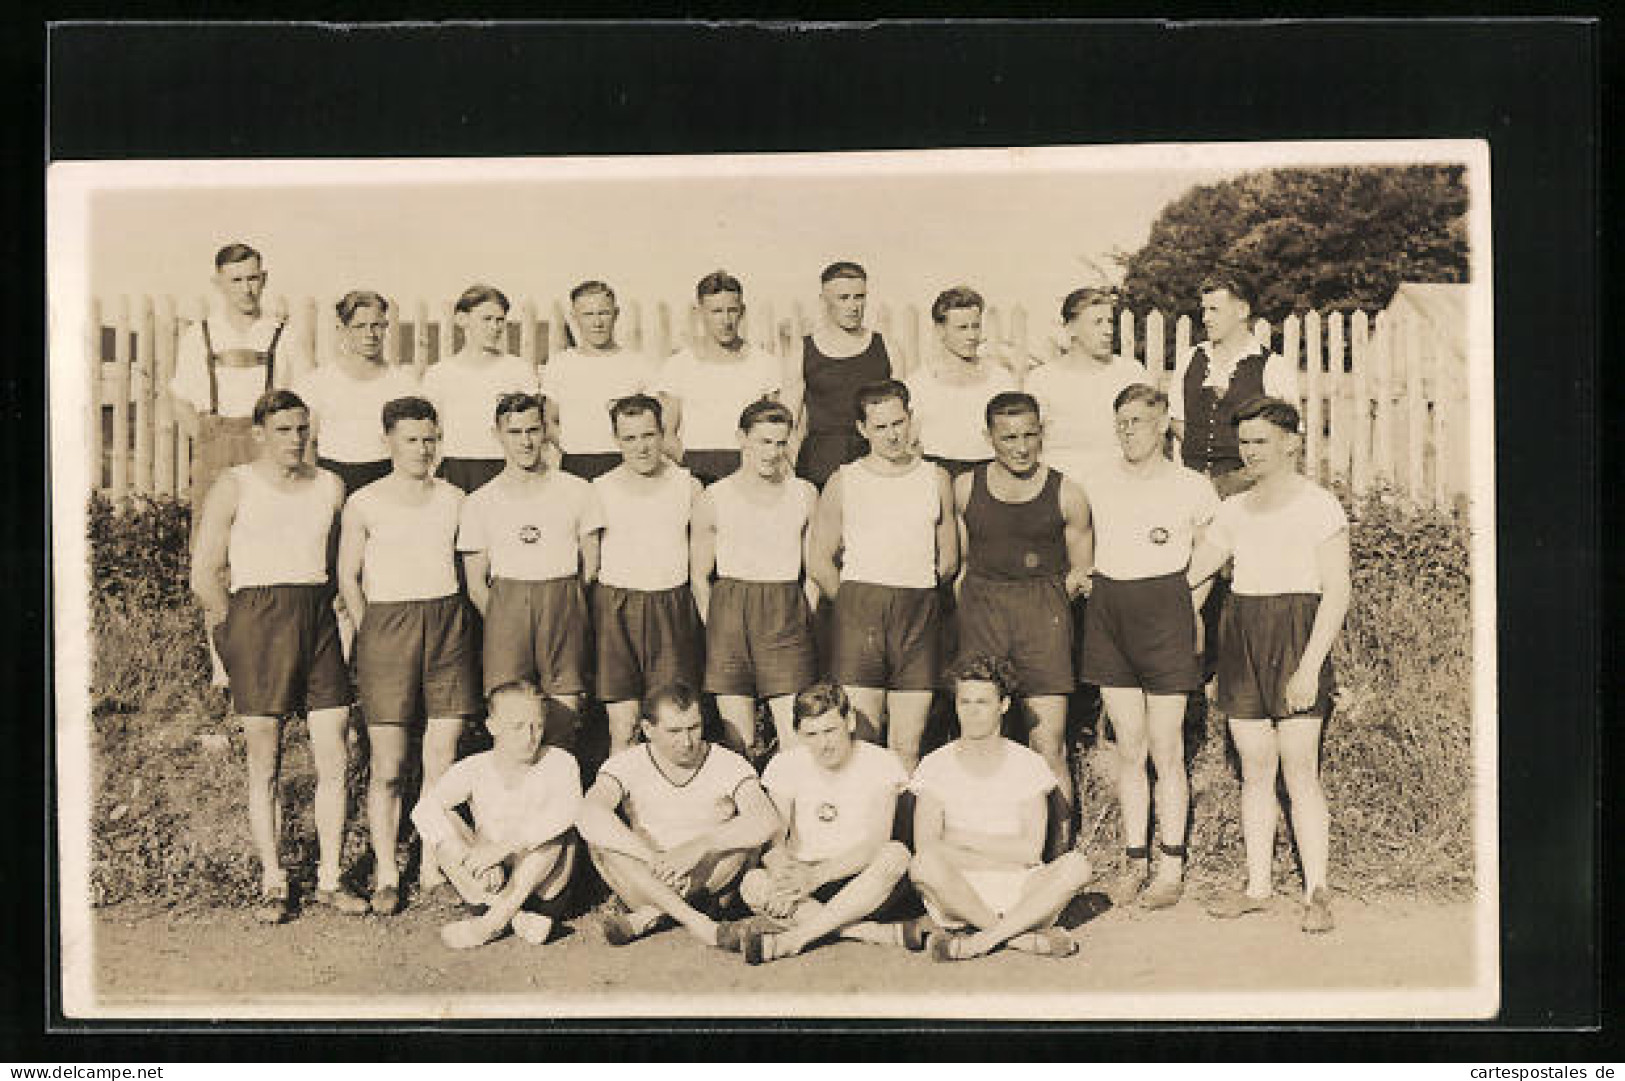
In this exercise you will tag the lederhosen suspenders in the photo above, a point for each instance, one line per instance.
(211, 358)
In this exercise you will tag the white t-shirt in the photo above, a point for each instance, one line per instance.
(280, 537)
(238, 387)
(756, 542)
(645, 544)
(410, 551)
(951, 418)
(465, 395)
(1075, 401)
(531, 533)
(1275, 549)
(833, 809)
(584, 386)
(668, 814)
(528, 813)
(714, 393)
(347, 414)
(889, 526)
(1145, 526)
(991, 804)
(1280, 378)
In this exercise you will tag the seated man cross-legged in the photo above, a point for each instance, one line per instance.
(524, 796)
(979, 828)
(696, 816)
(835, 868)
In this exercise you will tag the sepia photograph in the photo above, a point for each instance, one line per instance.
(1051, 583)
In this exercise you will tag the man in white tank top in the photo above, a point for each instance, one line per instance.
(416, 654)
(751, 529)
(582, 381)
(273, 522)
(891, 514)
(647, 627)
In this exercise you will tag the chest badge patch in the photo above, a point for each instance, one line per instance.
(827, 812)
(1158, 535)
(529, 534)
(1030, 560)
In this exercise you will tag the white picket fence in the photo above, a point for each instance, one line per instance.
(1384, 396)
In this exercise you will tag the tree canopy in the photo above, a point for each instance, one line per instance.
(1333, 238)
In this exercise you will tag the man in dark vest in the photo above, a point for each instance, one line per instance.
(1217, 376)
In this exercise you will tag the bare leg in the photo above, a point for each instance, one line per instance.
(856, 900)
(938, 879)
(1047, 736)
(637, 886)
(623, 723)
(739, 721)
(449, 856)
(906, 726)
(389, 742)
(440, 738)
(1049, 891)
(1126, 707)
(1256, 744)
(1299, 742)
(332, 754)
(783, 709)
(264, 738)
(1165, 723)
(541, 870)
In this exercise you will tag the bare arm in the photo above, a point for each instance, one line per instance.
(962, 489)
(702, 552)
(947, 528)
(477, 570)
(592, 551)
(824, 539)
(671, 424)
(209, 559)
(1080, 538)
(1206, 560)
(352, 543)
(602, 827)
(1332, 559)
(793, 393)
(754, 826)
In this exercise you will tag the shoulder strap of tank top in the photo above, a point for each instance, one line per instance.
(270, 352)
(208, 363)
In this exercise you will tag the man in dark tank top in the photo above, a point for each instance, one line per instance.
(1029, 548)
(840, 356)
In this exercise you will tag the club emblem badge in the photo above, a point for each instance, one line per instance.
(827, 812)
(1159, 535)
(1030, 560)
(529, 534)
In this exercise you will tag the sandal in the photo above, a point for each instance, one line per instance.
(275, 905)
(733, 934)
(386, 900)
(915, 933)
(941, 946)
(1235, 904)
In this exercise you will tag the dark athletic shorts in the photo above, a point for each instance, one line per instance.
(1028, 621)
(645, 638)
(280, 646)
(711, 466)
(887, 637)
(1261, 641)
(957, 466)
(469, 473)
(895, 907)
(822, 453)
(1141, 632)
(417, 659)
(538, 631)
(356, 474)
(759, 639)
(590, 466)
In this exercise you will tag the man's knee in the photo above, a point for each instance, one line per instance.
(1073, 869)
(892, 861)
(928, 867)
(754, 889)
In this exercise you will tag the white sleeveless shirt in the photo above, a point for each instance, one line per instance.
(410, 551)
(889, 526)
(761, 542)
(645, 543)
(279, 538)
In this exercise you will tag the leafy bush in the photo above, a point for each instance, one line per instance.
(139, 551)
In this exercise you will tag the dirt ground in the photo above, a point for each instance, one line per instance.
(208, 963)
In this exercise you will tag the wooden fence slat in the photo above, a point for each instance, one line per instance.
(1415, 412)
(93, 395)
(395, 333)
(310, 327)
(885, 325)
(633, 338)
(1262, 332)
(1337, 454)
(421, 333)
(120, 398)
(447, 344)
(1382, 376)
(529, 343)
(558, 332)
(662, 342)
(1182, 348)
(163, 461)
(141, 390)
(1156, 346)
(1360, 402)
(1314, 413)
(1125, 333)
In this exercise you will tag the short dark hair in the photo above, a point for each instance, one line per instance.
(985, 668)
(236, 253)
(819, 699)
(1087, 297)
(410, 407)
(355, 300)
(592, 288)
(1283, 414)
(1144, 393)
(842, 269)
(1011, 403)
(634, 405)
(881, 390)
(960, 296)
(676, 694)
(718, 281)
(519, 402)
(522, 688)
(276, 400)
(475, 295)
(765, 411)
(1232, 282)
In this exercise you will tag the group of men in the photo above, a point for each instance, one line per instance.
(644, 588)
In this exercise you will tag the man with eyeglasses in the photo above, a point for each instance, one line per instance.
(1141, 632)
